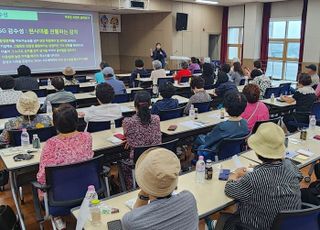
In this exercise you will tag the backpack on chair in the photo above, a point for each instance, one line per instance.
(4, 177)
(8, 220)
(312, 193)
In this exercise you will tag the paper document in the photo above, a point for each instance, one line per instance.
(305, 152)
(192, 124)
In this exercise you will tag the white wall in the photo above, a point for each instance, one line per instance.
(236, 16)
(312, 37)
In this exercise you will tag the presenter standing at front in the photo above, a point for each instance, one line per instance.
(159, 54)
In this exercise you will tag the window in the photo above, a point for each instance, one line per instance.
(235, 35)
(284, 48)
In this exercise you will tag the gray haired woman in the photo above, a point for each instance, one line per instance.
(158, 71)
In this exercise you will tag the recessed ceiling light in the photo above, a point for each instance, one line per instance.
(207, 2)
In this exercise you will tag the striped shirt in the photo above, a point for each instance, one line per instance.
(266, 191)
(175, 213)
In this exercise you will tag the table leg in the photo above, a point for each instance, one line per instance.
(15, 199)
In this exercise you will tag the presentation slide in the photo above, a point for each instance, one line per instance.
(48, 40)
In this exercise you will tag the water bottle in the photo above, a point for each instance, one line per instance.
(312, 125)
(113, 126)
(192, 112)
(84, 212)
(35, 141)
(138, 76)
(246, 81)
(272, 98)
(155, 91)
(25, 141)
(195, 113)
(49, 82)
(209, 170)
(49, 107)
(200, 170)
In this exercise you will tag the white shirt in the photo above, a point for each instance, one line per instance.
(105, 112)
(159, 73)
(315, 79)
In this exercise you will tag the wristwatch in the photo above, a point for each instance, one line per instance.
(142, 197)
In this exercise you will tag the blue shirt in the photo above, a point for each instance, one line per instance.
(164, 104)
(118, 86)
(99, 77)
(226, 129)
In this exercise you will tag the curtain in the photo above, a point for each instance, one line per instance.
(224, 36)
(303, 31)
(265, 35)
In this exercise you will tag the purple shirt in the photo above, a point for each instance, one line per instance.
(193, 67)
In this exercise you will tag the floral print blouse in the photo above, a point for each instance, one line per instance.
(40, 121)
(263, 82)
(65, 150)
(138, 134)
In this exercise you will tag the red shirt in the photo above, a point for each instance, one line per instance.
(182, 73)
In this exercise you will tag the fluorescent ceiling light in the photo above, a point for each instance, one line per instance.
(207, 2)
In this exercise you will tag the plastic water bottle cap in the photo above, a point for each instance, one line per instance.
(201, 157)
(24, 130)
(91, 188)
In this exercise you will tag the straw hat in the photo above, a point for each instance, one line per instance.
(268, 141)
(28, 104)
(157, 172)
(68, 71)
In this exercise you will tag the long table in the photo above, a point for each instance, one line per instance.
(210, 196)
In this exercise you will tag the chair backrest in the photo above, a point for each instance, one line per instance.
(316, 110)
(121, 98)
(72, 88)
(258, 123)
(231, 146)
(43, 134)
(81, 78)
(270, 91)
(197, 71)
(163, 80)
(285, 88)
(298, 219)
(171, 113)
(242, 81)
(203, 106)
(40, 92)
(69, 183)
(43, 82)
(147, 75)
(7, 111)
(73, 103)
(185, 79)
(170, 145)
(96, 126)
(134, 92)
(206, 87)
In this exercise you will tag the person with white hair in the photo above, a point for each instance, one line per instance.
(158, 71)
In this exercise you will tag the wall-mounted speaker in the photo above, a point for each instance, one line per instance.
(182, 22)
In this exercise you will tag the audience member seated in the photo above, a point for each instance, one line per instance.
(261, 80)
(8, 95)
(69, 76)
(28, 106)
(224, 85)
(138, 70)
(237, 74)
(166, 92)
(183, 72)
(68, 147)
(59, 97)
(256, 65)
(105, 111)
(226, 68)
(25, 81)
(234, 103)
(158, 72)
(117, 85)
(200, 94)
(304, 98)
(208, 74)
(255, 110)
(311, 70)
(142, 129)
(99, 77)
(194, 65)
(157, 174)
(271, 187)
